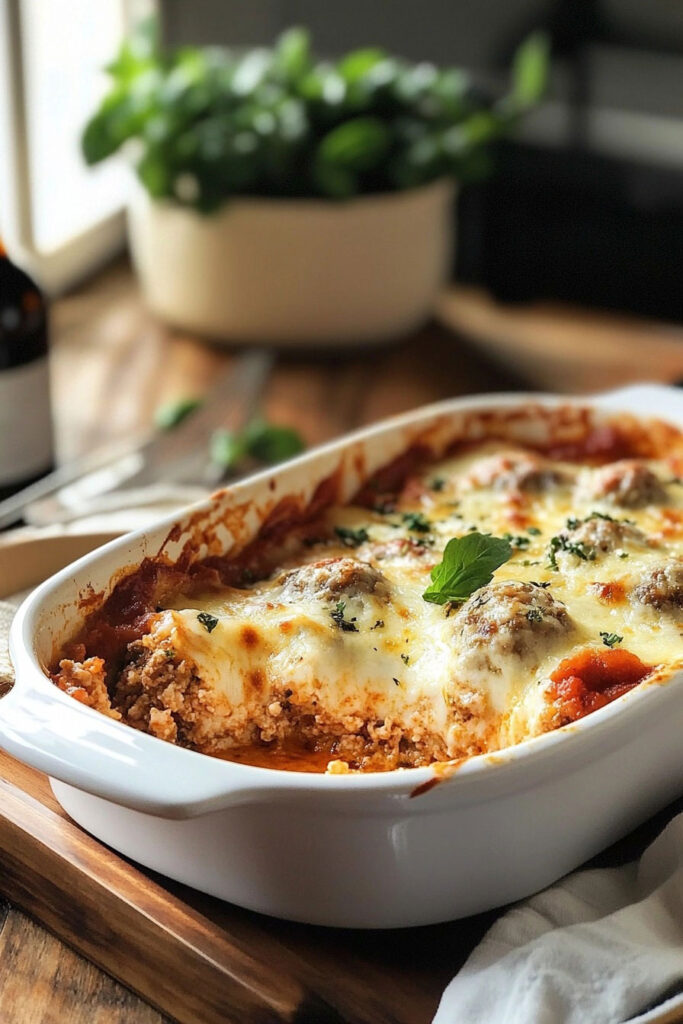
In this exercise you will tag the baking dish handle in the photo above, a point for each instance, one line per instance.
(81, 747)
(659, 400)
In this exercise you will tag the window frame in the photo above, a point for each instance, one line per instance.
(77, 258)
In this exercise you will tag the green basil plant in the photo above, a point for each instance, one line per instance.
(204, 124)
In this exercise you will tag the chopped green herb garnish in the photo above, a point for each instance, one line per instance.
(417, 522)
(438, 483)
(533, 530)
(621, 553)
(534, 615)
(395, 680)
(576, 548)
(378, 625)
(347, 625)
(209, 622)
(468, 563)
(517, 540)
(544, 585)
(611, 639)
(351, 538)
(170, 653)
(530, 561)
(573, 522)
(405, 658)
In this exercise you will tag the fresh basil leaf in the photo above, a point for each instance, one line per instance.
(270, 443)
(259, 440)
(153, 173)
(334, 182)
(98, 140)
(170, 414)
(227, 448)
(358, 63)
(138, 51)
(530, 69)
(468, 563)
(293, 54)
(356, 145)
(277, 122)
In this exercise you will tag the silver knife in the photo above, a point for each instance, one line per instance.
(176, 456)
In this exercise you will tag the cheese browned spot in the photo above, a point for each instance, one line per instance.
(334, 659)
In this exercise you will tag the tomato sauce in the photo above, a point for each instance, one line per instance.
(602, 444)
(591, 679)
(286, 756)
(385, 485)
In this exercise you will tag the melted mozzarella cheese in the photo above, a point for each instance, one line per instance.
(397, 654)
(343, 658)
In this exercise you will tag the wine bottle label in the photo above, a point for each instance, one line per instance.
(25, 421)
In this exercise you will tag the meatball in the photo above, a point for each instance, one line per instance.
(604, 535)
(516, 471)
(662, 588)
(627, 484)
(510, 618)
(333, 579)
(399, 547)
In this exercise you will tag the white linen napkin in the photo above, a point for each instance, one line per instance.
(602, 946)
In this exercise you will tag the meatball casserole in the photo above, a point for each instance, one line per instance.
(465, 600)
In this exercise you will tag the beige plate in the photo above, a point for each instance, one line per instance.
(27, 557)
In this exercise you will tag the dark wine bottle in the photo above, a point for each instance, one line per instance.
(26, 446)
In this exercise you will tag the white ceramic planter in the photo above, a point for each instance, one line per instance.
(296, 271)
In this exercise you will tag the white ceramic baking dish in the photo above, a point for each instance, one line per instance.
(355, 850)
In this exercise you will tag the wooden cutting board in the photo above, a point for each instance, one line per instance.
(197, 959)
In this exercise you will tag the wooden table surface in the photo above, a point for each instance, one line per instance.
(112, 364)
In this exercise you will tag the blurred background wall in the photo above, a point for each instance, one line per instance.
(591, 198)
